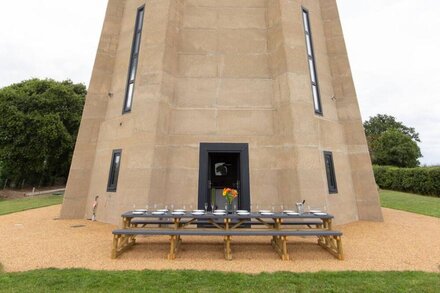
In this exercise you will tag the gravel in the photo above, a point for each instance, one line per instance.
(34, 239)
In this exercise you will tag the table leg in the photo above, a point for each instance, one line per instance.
(280, 246)
(279, 243)
(227, 240)
(228, 251)
(172, 254)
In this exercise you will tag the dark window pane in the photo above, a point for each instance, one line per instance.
(306, 21)
(133, 70)
(316, 101)
(311, 61)
(312, 71)
(330, 171)
(134, 58)
(309, 45)
(137, 45)
(114, 171)
(140, 19)
(129, 100)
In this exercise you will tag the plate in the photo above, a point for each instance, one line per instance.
(266, 213)
(292, 214)
(163, 210)
(218, 214)
(315, 211)
(178, 213)
(158, 213)
(137, 213)
(198, 213)
(320, 214)
(243, 213)
(141, 210)
(288, 211)
(220, 211)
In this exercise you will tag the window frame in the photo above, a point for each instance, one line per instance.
(330, 172)
(311, 61)
(114, 171)
(134, 60)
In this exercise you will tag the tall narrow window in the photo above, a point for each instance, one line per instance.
(312, 63)
(330, 170)
(134, 58)
(114, 171)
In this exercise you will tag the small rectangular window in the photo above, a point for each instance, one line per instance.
(114, 171)
(330, 170)
(312, 62)
(134, 58)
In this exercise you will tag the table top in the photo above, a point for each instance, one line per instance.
(209, 215)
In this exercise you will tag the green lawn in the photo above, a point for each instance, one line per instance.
(425, 205)
(193, 281)
(17, 205)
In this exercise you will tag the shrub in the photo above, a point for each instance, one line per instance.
(420, 180)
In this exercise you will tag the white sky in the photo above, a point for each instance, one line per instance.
(393, 46)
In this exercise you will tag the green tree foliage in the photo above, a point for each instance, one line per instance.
(380, 123)
(392, 143)
(38, 129)
(396, 149)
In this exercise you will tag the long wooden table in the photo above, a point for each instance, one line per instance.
(277, 225)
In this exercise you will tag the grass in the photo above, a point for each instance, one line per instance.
(10, 206)
(419, 204)
(76, 280)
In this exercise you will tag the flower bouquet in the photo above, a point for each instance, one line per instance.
(230, 194)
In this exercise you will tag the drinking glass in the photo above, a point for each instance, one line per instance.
(146, 207)
(206, 207)
(235, 208)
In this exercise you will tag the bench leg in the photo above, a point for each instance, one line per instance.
(279, 243)
(228, 251)
(115, 246)
(333, 244)
(120, 244)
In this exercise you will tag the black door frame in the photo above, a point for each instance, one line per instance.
(237, 148)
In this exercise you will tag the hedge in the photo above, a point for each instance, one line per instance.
(421, 180)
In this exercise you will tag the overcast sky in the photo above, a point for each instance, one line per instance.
(393, 46)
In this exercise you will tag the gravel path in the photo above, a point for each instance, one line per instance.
(405, 241)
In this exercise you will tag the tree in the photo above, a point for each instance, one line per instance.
(395, 148)
(38, 129)
(403, 151)
(380, 123)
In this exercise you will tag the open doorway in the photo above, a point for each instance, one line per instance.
(222, 166)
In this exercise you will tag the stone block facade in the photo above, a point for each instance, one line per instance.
(221, 71)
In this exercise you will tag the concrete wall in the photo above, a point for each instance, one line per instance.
(223, 71)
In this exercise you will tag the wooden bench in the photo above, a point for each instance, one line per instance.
(330, 240)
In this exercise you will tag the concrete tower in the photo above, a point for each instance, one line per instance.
(190, 96)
